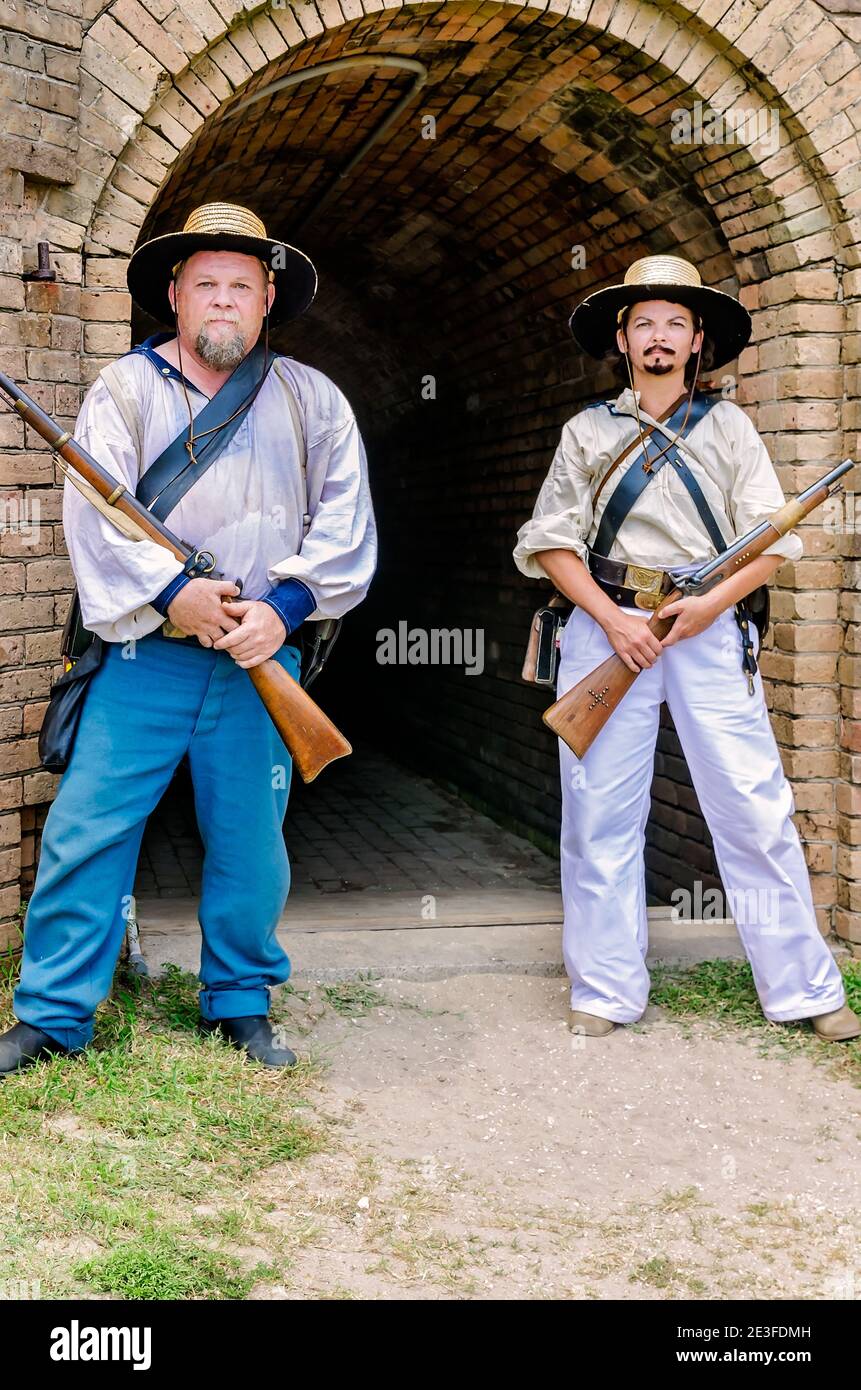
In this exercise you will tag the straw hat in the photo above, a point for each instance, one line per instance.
(725, 322)
(221, 227)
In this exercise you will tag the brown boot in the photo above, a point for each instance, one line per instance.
(590, 1024)
(837, 1026)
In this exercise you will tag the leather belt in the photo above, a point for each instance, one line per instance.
(174, 637)
(295, 639)
(631, 586)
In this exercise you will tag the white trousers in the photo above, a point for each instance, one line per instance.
(732, 755)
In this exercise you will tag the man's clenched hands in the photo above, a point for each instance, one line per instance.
(260, 633)
(248, 630)
(198, 611)
(632, 640)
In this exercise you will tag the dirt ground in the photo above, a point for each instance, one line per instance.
(477, 1149)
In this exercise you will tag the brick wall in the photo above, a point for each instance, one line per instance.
(39, 78)
(451, 258)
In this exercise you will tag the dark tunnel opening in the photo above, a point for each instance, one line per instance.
(448, 268)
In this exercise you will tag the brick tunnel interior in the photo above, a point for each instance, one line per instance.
(449, 263)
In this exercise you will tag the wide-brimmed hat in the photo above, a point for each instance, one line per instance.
(725, 322)
(221, 227)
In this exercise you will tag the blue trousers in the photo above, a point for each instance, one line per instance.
(148, 704)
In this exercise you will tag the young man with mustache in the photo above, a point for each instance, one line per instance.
(607, 534)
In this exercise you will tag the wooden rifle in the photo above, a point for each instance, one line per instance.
(581, 713)
(312, 739)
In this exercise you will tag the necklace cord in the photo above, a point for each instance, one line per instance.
(246, 404)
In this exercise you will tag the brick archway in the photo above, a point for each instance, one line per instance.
(551, 131)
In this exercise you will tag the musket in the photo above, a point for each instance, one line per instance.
(311, 738)
(581, 713)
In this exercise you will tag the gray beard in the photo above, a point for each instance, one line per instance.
(221, 356)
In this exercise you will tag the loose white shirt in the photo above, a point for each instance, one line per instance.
(247, 508)
(663, 529)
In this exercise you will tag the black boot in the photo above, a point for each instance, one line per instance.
(24, 1045)
(254, 1036)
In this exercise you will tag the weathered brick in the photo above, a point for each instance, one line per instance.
(802, 762)
(53, 366)
(107, 338)
(25, 467)
(18, 755)
(39, 787)
(48, 575)
(51, 95)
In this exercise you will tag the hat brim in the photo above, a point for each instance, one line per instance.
(726, 322)
(150, 269)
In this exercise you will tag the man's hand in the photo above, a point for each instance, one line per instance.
(260, 633)
(631, 640)
(197, 609)
(696, 612)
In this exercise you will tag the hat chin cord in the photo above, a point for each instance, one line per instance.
(650, 463)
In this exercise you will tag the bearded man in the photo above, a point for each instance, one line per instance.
(284, 504)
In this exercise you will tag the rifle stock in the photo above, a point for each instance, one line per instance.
(580, 714)
(310, 736)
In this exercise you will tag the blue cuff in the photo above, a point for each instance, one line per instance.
(292, 601)
(168, 594)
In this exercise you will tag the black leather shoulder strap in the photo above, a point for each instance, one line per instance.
(635, 480)
(170, 476)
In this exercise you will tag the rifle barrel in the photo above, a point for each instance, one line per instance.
(103, 481)
(737, 546)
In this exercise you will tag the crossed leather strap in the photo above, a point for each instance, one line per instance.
(668, 413)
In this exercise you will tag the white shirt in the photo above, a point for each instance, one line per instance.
(663, 529)
(247, 508)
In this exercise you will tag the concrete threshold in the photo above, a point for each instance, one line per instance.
(329, 945)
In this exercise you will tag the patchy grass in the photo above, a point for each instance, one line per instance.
(160, 1265)
(358, 998)
(163, 1165)
(659, 1271)
(723, 991)
(129, 1170)
(354, 998)
(111, 1158)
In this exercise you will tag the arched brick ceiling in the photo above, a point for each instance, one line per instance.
(453, 256)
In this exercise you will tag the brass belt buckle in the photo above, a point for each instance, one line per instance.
(648, 584)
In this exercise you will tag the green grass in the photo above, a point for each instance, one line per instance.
(108, 1156)
(723, 991)
(160, 1265)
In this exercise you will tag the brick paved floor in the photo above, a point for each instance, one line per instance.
(366, 823)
